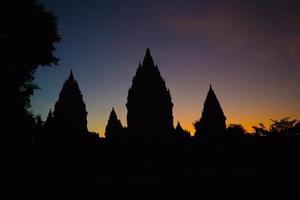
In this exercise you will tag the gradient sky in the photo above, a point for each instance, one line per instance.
(248, 50)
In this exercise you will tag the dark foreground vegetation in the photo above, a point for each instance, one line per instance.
(236, 168)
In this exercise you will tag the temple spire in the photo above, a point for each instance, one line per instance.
(113, 115)
(178, 127)
(70, 110)
(114, 127)
(149, 104)
(50, 116)
(71, 76)
(49, 119)
(213, 120)
(212, 95)
(148, 60)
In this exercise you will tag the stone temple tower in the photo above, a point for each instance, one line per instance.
(70, 110)
(149, 103)
(213, 121)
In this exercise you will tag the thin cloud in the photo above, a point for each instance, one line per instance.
(241, 30)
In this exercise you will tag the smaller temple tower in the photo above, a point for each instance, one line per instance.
(70, 111)
(213, 121)
(114, 128)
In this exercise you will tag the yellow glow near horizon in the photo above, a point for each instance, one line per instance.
(187, 123)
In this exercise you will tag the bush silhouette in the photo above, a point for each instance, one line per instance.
(235, 130)
(281, 127)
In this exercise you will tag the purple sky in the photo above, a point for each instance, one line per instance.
(248, 50)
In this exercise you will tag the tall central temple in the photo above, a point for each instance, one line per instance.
(149, 103)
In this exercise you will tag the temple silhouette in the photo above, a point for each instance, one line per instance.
(114, 131)
(213, 121)
(149, 104)
(68, 122)
(149, 112)
(70, 110)
(149, 156)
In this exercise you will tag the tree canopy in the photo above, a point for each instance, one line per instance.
(27, 36)
(282, 127)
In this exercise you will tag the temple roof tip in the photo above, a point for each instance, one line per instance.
(71, 76)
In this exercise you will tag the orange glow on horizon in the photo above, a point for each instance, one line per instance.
(187, 125)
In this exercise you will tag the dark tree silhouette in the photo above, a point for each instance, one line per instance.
(285, 126)
(149, 103)
(27, 37)
(39, 122)
(235, 130)
(70, 111)
(38, 128)
(260, 130)
(212, 122)
(113, 128)
(281, 127)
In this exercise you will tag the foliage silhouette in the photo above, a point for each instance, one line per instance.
(281, 127)
(236, 130)
(212, 122)
(27, 36)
